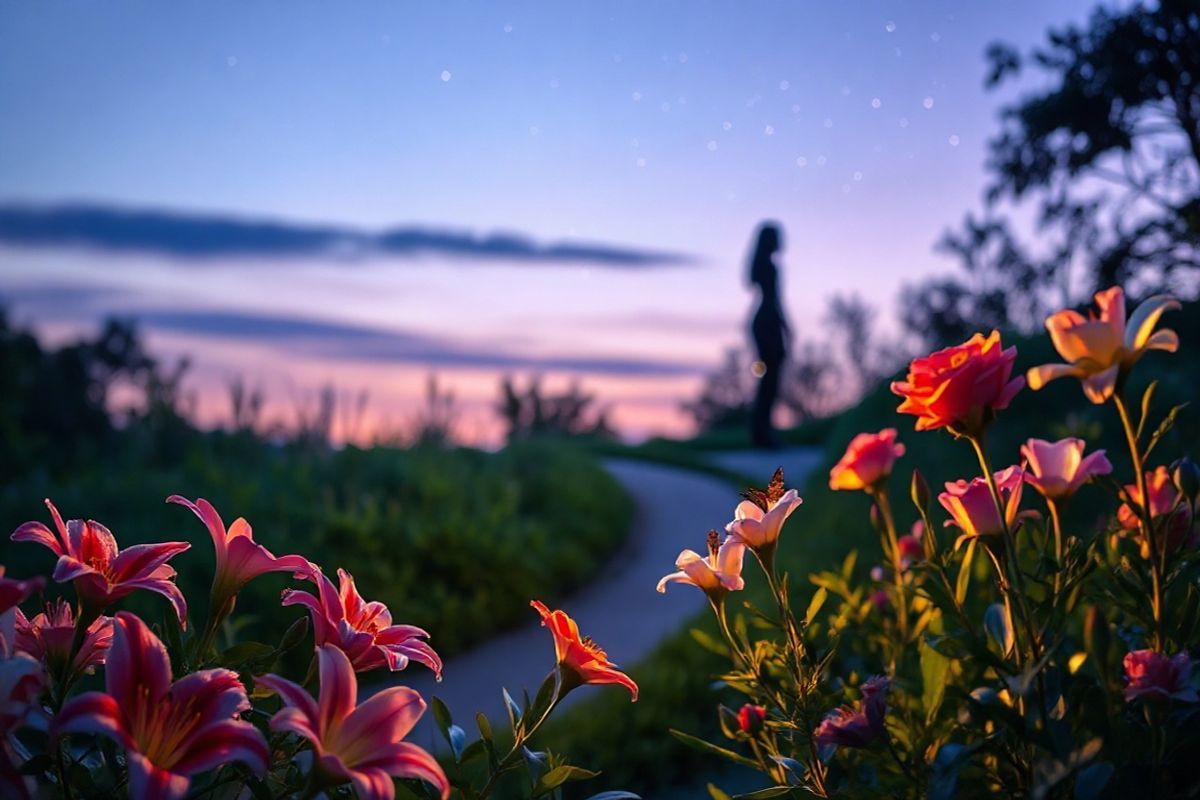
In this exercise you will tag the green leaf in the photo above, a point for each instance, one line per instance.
(1163, 428)
(709, 747)
(934, 669)
(762, 794)
(709, 643)
(964, 574)
(558, 776)
(717, 794)
(617, 795)
(997, 622)
(1147, 398)
(814, 605)
(485, 727)
(441, 715)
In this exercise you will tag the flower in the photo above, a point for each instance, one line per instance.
(912, 547)
(759, 518)
(239, 558)
(1058, 469)
(49, 637)
(170, 731)
(860, 725)
(12, 592)
(364, 631)
(359, 744)
(716, 575)
(1164, 502)
(972, 509)
(957, 386)
(22, 681)
(1101, 349)
(751, 718)
(580, 659)
(88, 555)
(1150, 675)
(867, 461)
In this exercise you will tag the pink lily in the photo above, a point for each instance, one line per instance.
(716, 575)
(359, 744)
(1058, 469)
(103, 574)
(22, 681)
(364, 631)
(973, 510)
(858, 726)
(48, 637)
(239, 558)
(12, 592)
(758, 520)
(170, 731)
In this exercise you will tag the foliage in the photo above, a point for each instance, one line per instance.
(820, 535)
(533, 411)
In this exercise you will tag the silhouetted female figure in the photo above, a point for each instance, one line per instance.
(770, 331)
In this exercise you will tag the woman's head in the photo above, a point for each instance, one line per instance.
(769, 241)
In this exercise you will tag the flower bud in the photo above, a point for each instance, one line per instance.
(919, 491)
(1187, 478)
(751, 719)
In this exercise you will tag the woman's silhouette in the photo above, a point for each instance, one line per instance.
(770, 331)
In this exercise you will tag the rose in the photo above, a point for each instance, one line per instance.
(867, 461)
(959, 386)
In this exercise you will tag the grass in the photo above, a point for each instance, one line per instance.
(455, 541)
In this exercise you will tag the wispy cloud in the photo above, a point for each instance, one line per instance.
(198, 237)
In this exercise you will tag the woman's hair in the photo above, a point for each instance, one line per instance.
(767, 245)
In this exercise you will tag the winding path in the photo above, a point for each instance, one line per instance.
(620, 608)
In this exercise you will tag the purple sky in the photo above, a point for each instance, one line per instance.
(645, 128)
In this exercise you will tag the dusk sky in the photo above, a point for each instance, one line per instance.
(625, 150)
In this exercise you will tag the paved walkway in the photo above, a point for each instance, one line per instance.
(620, 609)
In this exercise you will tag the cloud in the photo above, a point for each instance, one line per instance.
(199, 237)
(337, 340)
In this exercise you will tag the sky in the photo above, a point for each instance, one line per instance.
(366, 194)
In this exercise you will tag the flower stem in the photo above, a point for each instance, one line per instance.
(1143, 509)
(880, 496)
(1056, 523)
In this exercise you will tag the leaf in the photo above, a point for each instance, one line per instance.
(709, 643)
(762, 794)
(1163, 428)
(717, 794)
(558, 776)
(997, 622)
(485, 727)
(617, 795)
(709, 747)
(814, 605)
(441, 715)
(964, 574)
(457, 738)
(934, 668)
(514, 711)
(1147, 399)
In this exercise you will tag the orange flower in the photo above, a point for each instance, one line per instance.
(1171, 513)
(581, 659)
(1102, 348)
(957, 386)
(867, 461)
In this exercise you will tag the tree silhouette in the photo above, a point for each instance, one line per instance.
(1105, 153)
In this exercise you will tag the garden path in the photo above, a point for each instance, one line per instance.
(620, 608)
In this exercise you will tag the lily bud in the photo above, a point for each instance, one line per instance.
(919, 491)
(1187, 478)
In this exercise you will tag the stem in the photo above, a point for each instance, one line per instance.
(1056, 523)
(880, 496)
(1143, 509)
(718, 607)
(525, 735)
